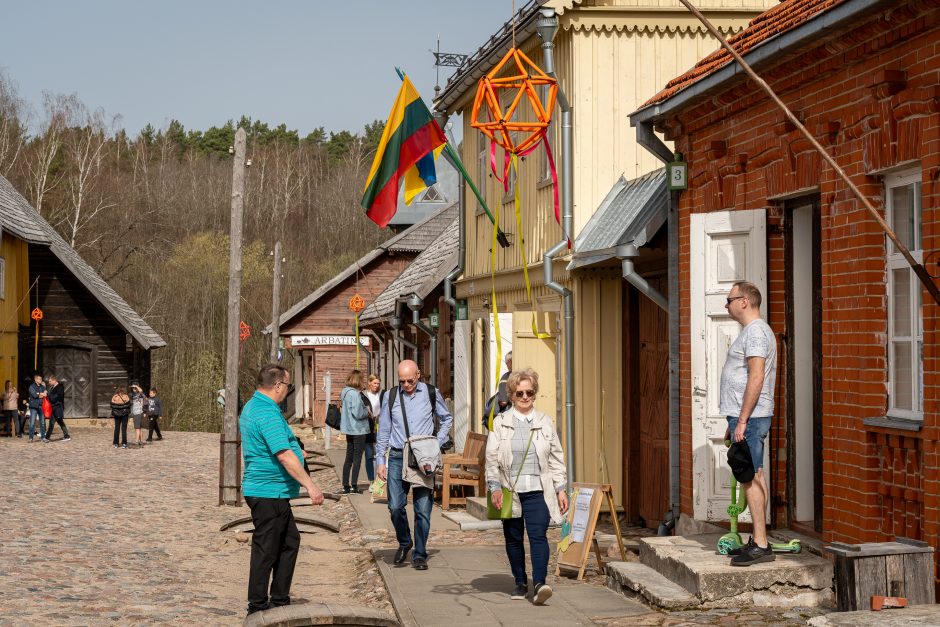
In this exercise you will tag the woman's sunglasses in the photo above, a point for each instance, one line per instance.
(524, 394)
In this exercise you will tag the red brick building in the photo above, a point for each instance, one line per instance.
(854, 449)
(321, 327)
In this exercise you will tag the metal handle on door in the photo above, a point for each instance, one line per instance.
(697, 391)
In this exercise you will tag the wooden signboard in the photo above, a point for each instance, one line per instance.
(583, 509)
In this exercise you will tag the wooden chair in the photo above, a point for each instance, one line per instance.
(467, 469)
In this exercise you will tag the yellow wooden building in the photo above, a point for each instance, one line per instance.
(14, 306)
(609, 56)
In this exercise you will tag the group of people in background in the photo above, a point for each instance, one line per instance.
(45, 400)
(361, 402)
(141, 408)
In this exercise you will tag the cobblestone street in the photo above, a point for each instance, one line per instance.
(94, 535)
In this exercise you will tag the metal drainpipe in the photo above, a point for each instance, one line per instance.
(648, 139)
(462, 238)
(415, 303)
(396, 323)
(547, 26)
(626, 253)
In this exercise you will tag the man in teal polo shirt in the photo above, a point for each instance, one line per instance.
(274, 473)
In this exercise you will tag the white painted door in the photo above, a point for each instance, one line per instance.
(462, 352)
(726, 246)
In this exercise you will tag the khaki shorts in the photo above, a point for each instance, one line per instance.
(138, 420)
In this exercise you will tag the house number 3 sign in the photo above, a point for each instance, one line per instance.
(677, 174)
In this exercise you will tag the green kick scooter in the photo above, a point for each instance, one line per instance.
(732, 539)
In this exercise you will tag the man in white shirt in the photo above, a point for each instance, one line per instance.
(747, 399)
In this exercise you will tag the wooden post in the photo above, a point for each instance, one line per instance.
(230, 484)
(276, 304)
(327, 385)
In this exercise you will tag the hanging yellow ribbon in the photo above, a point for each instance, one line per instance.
(499, 337)
(525, 263)
(37, 316)
(357, 341)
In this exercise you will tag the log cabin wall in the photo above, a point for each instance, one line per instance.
(75, 321)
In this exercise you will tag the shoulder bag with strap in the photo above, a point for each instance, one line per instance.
(412, 462)
(506, 511)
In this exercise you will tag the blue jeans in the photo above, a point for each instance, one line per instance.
(369, 453)
(754, 433)
(36, 417)
(535, 518)
(397, 491)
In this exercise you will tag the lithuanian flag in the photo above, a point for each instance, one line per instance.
(410, 135)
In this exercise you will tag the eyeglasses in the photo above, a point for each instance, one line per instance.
(524, 394)
(408, 381)
(733, 298)
(290, 386)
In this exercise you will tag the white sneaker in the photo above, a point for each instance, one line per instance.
(542, 594)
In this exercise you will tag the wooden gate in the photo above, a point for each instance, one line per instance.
(74, 367)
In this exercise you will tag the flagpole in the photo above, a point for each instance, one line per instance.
(455, 161)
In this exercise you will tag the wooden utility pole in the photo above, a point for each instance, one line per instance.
(276, 304)
(230, 462)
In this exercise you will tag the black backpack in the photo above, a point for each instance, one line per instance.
(432, 395)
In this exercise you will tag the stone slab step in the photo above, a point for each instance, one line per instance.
(633, 579)
(476, 507)
(693, 563)
(466, 522)
(304, 615)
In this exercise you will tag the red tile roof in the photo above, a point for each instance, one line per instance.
(784, 17)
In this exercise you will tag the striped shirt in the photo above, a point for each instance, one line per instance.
(530, 479)
(265, 433)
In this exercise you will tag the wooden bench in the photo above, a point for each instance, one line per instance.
(467, 469)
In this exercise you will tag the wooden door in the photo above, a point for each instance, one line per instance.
(725, 246)
(653, 389)
(75, 371)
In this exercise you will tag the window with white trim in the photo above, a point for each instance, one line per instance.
(905, 317)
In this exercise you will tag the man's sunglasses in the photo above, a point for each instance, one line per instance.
(290, 386)
(524, 394)
(408, 381)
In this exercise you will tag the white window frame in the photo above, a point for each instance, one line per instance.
(3, 278)
(895, 261)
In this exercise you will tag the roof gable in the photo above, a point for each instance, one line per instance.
(23, 221)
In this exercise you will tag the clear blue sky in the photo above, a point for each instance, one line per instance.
(304, 63)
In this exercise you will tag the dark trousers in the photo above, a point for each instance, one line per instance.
(535, 520)
(369, 452)
(275, 544)
(20, 420)
(11, 422)
(354, 447)
(58, 416)
(120, 429)
(154, 426)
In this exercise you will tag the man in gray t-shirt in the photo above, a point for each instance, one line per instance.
(747, 399)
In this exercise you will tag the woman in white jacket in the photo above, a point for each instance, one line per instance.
(523, 453)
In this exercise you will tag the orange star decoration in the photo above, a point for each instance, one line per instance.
(357, 304)
(36, 314)
(244, 331)
(500, 125)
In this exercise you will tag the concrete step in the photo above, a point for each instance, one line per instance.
(466, 522)
(693, 563)
(476, 507)
(633, 579)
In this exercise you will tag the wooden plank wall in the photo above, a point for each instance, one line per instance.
(73, 314)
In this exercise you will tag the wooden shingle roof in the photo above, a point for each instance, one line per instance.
(19, 218)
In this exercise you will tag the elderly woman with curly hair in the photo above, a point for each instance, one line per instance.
(523, 453)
